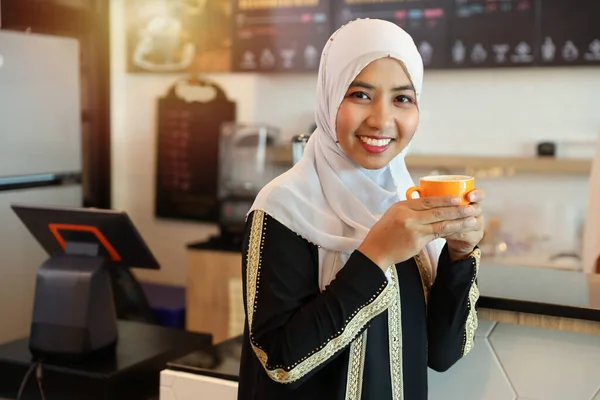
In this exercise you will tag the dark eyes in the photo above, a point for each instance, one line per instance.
(404, 99)
(364, 96)
(359, 95)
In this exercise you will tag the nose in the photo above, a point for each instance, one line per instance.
(380, 116)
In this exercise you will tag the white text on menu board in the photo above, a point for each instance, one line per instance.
(262, 4)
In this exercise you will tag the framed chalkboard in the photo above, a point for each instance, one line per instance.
(187, 154)
(492, 33)
(569, 32)
(425, 20)
(277, 35)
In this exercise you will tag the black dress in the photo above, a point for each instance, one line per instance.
(364, 337)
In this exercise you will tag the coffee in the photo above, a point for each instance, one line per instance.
(447, 178)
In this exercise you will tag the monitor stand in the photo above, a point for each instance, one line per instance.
(74, 315)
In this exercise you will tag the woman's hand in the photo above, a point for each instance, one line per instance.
(408, 226)
(461, 244)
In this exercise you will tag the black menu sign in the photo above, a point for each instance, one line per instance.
(570, 32)
(187, 156)
(492, 33)
(279, 35)
(425, 20)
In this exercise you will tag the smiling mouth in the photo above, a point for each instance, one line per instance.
(374, 145)
(375, 142)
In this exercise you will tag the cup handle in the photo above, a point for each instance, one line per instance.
(412, 190)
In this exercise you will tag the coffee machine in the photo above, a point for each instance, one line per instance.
(246, 164)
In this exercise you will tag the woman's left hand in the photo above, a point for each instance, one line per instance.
(462, 244)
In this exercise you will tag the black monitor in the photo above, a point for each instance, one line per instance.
(74, 314)
(112, 232)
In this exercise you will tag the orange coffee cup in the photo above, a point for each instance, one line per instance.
(444, 185)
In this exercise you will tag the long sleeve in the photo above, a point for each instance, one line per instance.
(451, 310)
(294, 328)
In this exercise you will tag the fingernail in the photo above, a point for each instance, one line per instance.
(456, 200)
(472, 197)
(469, 210)
(471, 222)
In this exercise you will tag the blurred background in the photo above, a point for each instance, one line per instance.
(179, 111)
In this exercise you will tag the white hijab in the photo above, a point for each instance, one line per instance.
(326, 197)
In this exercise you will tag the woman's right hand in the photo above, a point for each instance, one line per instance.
(408, 226)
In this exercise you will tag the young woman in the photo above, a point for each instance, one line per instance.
(350, 291)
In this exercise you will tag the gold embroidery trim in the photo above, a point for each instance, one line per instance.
(395, 342)
(425, 276)
(253, 261)
(356, 367)
(378, 303)
(472, 320)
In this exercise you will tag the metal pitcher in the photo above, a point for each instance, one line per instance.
(298, 145)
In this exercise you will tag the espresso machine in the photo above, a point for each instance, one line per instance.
(246, 165)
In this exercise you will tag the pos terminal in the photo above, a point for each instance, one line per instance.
(74, 314)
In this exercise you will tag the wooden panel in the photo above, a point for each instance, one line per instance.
(237, 315)
(594, 290)
(540, 321)
(207, 300)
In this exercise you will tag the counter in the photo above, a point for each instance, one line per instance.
(131, 373)
(214, 292)
(525, 347)
(511, 359)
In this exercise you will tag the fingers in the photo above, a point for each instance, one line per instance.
(476, 196)
(446, 228)
(448, 213)
(471, 235)
(428, 203)
(466, 237)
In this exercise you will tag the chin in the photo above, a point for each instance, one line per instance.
(373, 163)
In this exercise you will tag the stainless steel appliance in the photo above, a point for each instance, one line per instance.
(298, 145)
(246, 164)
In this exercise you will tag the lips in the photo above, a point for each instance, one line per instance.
(373, 141)
(374, 144)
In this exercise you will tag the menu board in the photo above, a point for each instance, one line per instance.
(492, 33)
(187, 154)
(569, 32)
(425, 20)
(279, 35)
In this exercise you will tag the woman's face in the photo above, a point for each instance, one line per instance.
(379, 115)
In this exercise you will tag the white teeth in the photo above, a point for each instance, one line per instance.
(375, 142)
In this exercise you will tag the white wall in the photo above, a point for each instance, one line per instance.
(490, 112)
(21, 256)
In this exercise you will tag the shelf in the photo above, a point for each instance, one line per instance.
(480, 166)
(501, 165)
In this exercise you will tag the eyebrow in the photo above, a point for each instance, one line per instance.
(369, 86)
